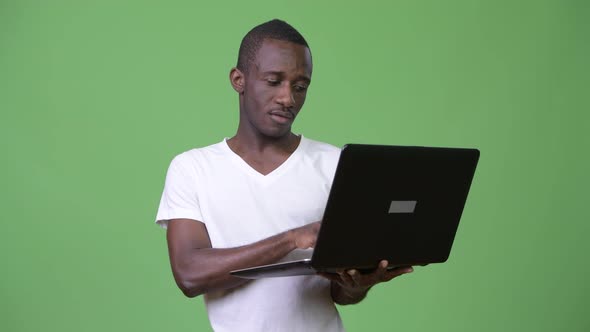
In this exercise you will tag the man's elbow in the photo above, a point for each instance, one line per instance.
(190, 286)
(189, 289)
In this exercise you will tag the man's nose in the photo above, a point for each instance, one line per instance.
(285, 96)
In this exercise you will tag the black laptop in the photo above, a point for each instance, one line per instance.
(399, 203)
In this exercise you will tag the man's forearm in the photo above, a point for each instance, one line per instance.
(207, 269)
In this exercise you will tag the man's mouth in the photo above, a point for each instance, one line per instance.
(282, 117)
(283, 114)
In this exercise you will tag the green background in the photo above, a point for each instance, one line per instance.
(96, 97)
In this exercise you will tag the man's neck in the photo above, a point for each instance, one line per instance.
(264, 154)
(256, 144)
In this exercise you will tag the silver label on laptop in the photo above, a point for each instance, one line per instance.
(402, 206)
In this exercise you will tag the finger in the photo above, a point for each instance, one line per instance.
(398, 271)
(346, 279)
(381, 273)
(355, 276)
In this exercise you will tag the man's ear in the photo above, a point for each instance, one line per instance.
(236, 78)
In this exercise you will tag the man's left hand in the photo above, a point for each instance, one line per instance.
(355, 279)
(353, 284)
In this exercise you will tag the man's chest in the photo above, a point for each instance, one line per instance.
(241, 208)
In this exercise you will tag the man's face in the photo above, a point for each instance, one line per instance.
(275, 87)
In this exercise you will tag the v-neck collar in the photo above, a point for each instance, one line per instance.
(282, 168)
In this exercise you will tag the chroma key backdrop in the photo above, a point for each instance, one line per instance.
(97, 97)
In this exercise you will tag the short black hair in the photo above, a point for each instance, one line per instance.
(274, 29)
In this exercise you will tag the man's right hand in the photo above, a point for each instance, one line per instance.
(306, 236)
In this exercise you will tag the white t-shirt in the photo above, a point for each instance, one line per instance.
(239, 206)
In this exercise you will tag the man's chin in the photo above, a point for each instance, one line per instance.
(278, 133)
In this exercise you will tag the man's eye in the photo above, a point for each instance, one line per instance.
(300, 88)
(273, 82)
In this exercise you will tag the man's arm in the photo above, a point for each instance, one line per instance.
(199, 269)
(351, 286)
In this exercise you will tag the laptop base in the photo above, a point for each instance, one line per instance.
(284, 269)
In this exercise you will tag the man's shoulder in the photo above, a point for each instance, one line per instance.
(314, 146)
(194, 155)
(321, 153)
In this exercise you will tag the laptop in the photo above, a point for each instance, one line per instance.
(399, 203)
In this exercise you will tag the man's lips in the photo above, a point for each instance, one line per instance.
(283, 114)
(282, 117)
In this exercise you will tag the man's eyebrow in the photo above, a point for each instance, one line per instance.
(273, 72)
(304, 79)
(282, 74)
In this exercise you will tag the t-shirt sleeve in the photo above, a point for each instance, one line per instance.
(179, 199)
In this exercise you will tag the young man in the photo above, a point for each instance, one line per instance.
(251, 199)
